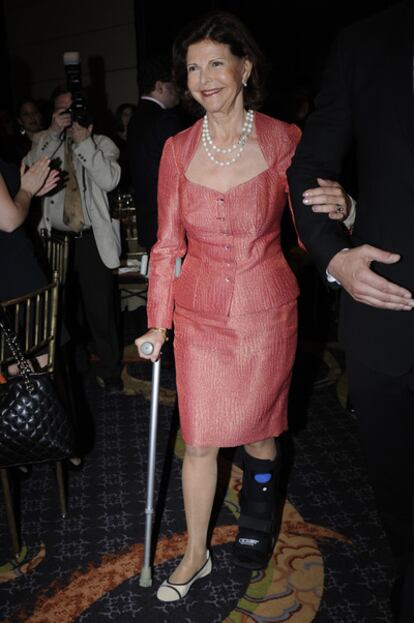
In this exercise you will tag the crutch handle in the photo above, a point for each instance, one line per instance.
(147, 348)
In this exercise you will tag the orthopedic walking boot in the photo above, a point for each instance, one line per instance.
(259, 514)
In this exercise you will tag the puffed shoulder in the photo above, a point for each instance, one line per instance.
(276, 128)
(277, 139)
(183, 144)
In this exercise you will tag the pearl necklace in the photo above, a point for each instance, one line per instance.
(238, 147)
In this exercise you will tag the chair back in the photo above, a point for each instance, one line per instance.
(57, 253)
(126, 213)
(33, 317)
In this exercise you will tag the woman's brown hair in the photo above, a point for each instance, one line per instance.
(221, 27)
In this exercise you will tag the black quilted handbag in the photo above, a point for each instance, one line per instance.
(33, 424)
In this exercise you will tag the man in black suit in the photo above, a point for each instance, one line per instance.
(154, 121)
(367, 99)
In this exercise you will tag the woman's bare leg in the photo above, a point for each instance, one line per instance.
(199, 487)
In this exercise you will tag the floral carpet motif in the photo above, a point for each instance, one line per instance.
(330, 563)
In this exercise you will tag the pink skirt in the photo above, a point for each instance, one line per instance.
(233, 375)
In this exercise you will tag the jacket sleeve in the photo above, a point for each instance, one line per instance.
(99, 155)
(170, 245)
(325, 142)
(291, 138)
(287, 150)
(46, 144)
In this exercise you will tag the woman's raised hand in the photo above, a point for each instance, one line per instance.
(39, 179)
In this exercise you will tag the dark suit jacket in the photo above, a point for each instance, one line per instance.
(148, 130)
(367, 98)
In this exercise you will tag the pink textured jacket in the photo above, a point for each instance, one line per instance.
(234, 263)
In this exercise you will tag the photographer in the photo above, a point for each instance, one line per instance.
(79, 208)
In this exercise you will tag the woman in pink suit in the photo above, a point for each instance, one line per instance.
(222, 191)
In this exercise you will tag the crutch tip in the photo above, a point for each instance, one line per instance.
(145, 579)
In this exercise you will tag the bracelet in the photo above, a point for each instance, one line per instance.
(161, 330)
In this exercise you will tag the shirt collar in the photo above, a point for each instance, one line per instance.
(152, 99)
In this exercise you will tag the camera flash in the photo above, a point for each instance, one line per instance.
(71, 58)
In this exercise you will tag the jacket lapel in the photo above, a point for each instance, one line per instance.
(265, 143)
(188, 145)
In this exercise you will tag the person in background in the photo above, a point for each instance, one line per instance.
(29, 118)
(21, 272)
(80, 210)
(29, 123)
(16, 191)
(154, 121)
(367, 102)
(123, 116)
(16, 138)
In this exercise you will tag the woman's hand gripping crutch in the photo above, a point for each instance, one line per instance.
(149, 347)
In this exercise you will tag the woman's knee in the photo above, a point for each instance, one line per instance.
(260, 445)
(194, 452)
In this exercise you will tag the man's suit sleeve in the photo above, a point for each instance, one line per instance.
(324, 144)
(169, 124)
(171, 243)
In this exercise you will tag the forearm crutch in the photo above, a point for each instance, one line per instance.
(145, 579)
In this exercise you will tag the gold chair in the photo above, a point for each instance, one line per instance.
(129, 227)
(34, 319)
(57, 250)
(133, 283)
(126, 213)
(57, 253)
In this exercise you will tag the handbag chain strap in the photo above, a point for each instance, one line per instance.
(15, 349)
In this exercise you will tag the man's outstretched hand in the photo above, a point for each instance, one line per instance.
(352, 269)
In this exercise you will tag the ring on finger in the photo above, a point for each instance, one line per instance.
(339, 209)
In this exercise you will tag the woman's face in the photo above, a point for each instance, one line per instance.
(215, 75)
(125, 117)
(30, 117)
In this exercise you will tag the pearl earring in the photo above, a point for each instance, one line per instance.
(244, 83)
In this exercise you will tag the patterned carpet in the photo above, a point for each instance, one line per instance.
(330, 564)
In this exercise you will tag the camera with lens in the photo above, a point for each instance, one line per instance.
(78, 110)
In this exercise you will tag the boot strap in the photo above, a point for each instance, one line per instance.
(256, 524)
(257, 507)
